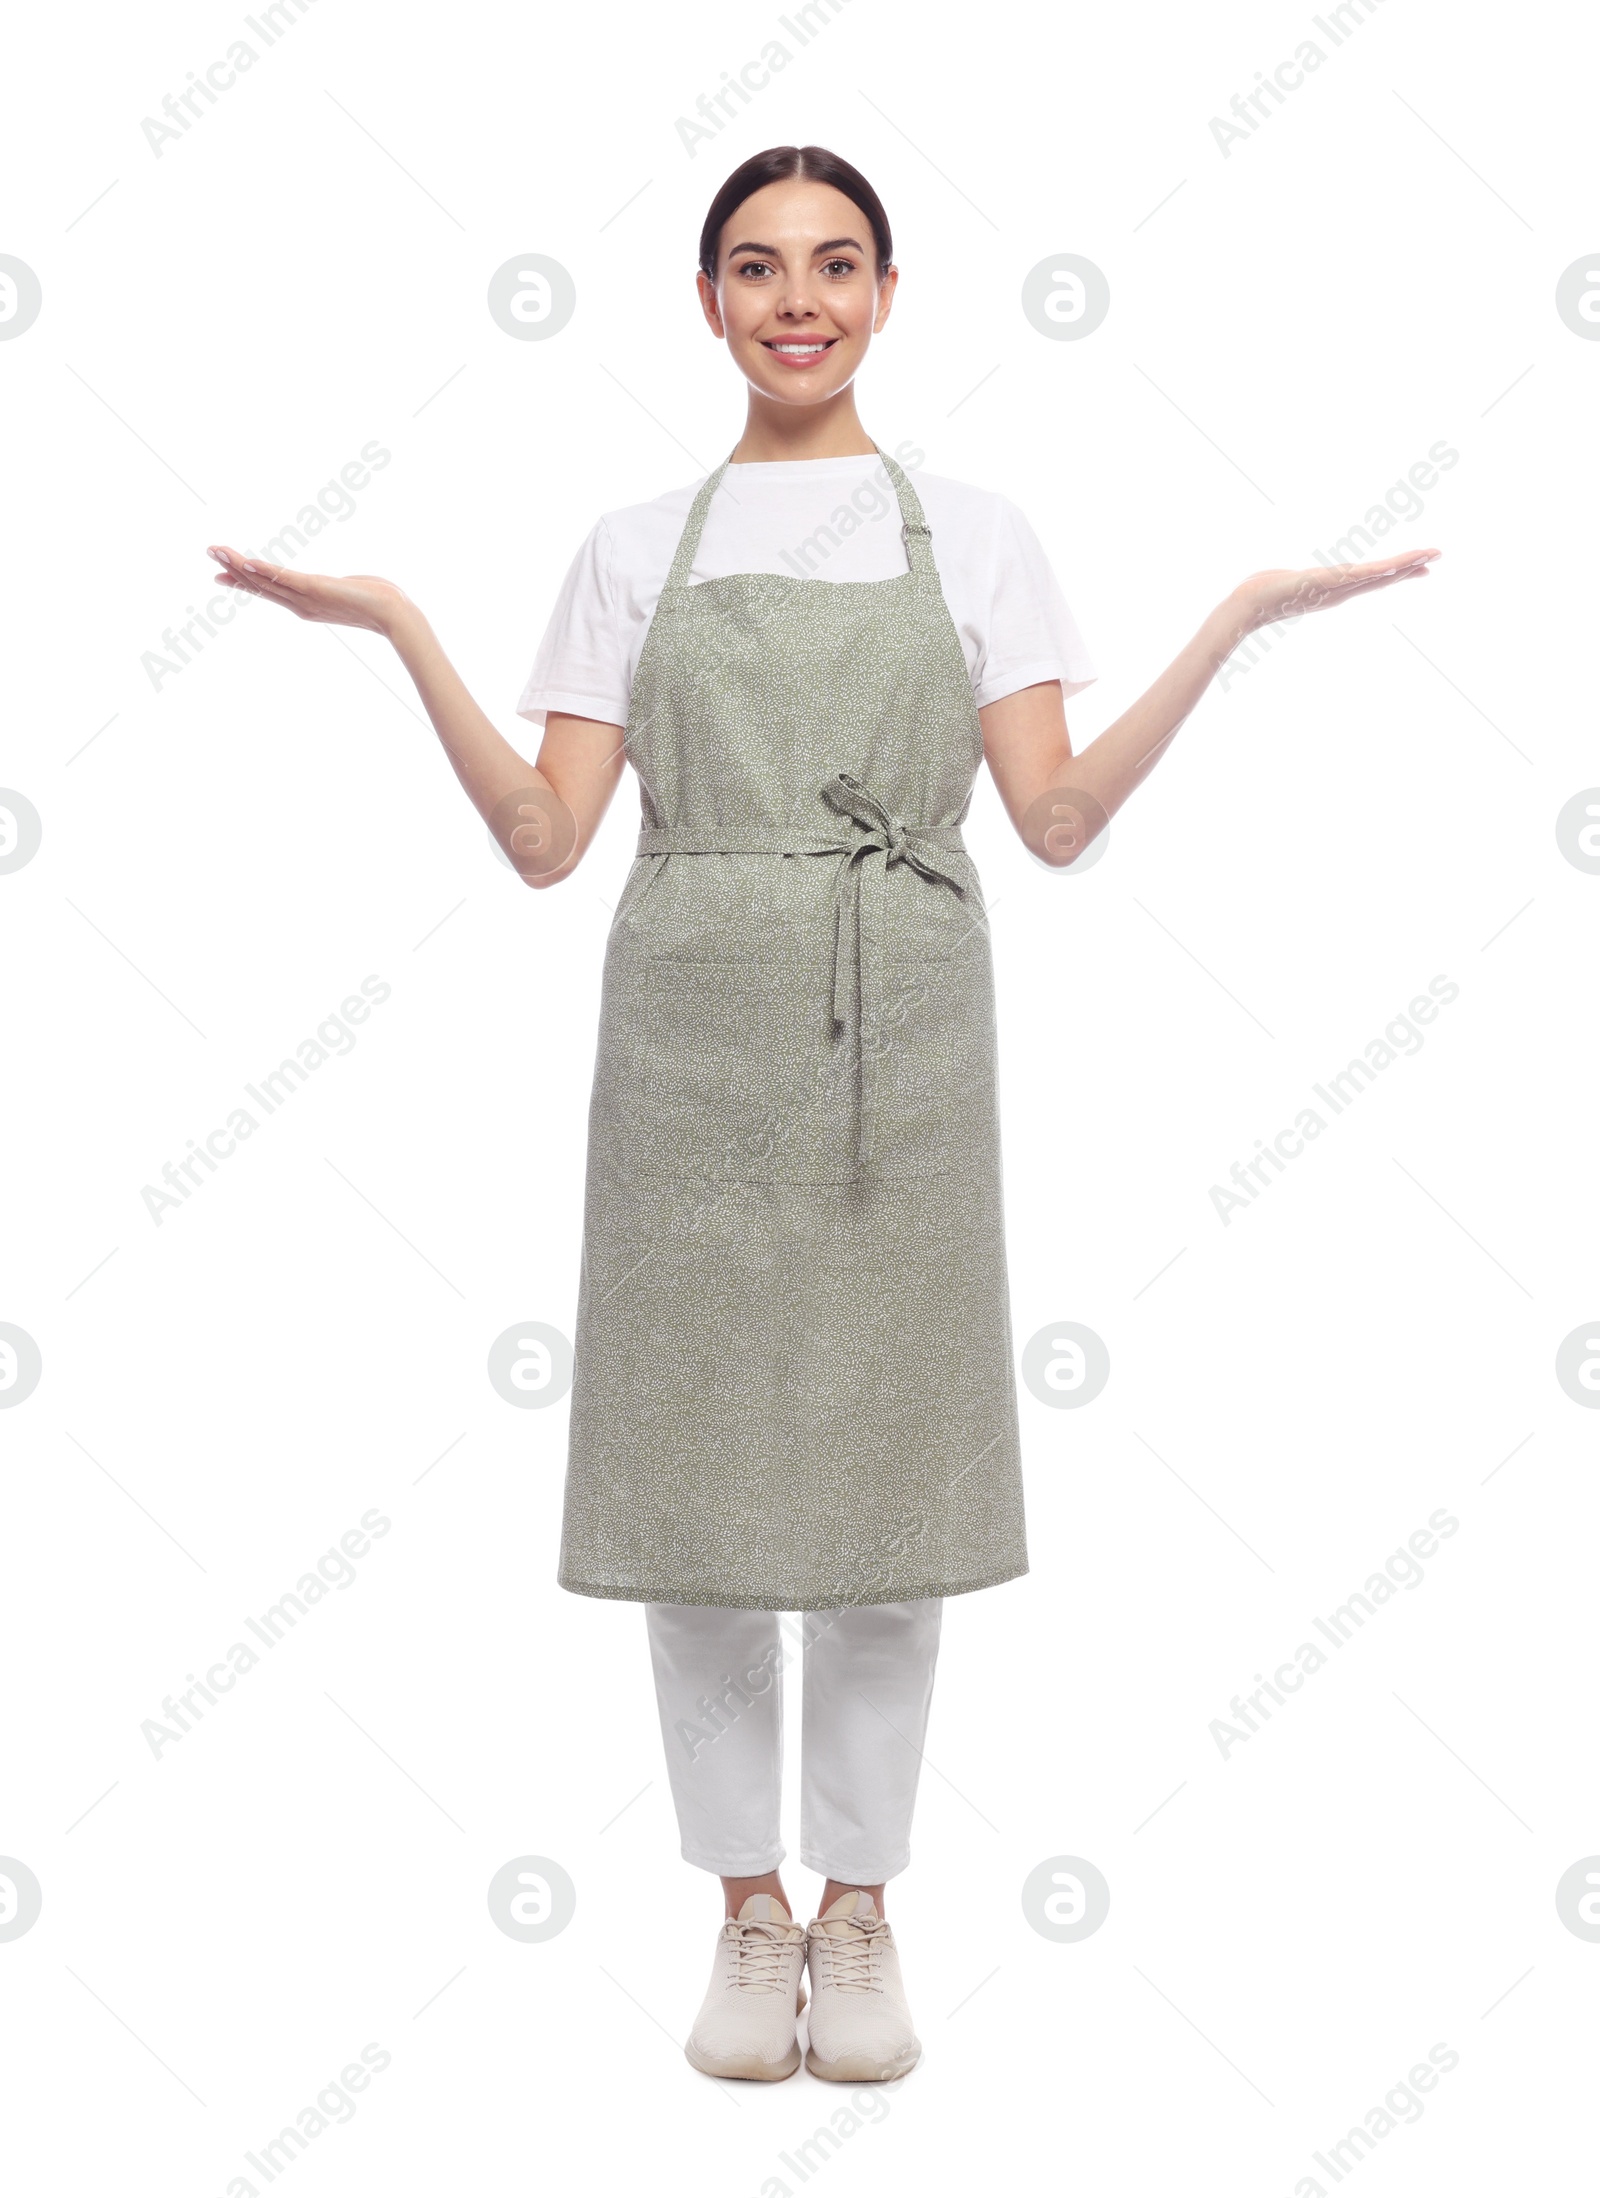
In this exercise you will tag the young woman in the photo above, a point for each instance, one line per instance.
(793, 1382)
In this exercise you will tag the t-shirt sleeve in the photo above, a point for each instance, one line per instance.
(582, 663)
(1032, 634)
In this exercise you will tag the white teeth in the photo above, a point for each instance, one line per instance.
(799, 350)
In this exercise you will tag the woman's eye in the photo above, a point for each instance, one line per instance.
(838, 268)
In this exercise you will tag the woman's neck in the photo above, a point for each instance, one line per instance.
(774, 433)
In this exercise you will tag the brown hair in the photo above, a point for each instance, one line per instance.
(775, 165)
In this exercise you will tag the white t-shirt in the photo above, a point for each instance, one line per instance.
(813, 519)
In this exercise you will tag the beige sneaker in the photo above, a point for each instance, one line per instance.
(860, 2028)
(746, 2023)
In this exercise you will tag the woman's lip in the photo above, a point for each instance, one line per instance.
(785, 358)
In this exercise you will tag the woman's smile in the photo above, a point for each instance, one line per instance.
(799, 350)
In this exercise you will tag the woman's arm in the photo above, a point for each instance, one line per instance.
(1058, 801)
(543, 814)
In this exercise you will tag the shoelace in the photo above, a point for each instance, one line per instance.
(759, 1955)
(853, 1955)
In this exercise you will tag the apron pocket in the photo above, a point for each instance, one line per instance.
(734, 1072)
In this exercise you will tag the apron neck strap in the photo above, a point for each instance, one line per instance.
(689, 540)
(914, 528)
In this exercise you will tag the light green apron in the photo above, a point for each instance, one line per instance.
(792, 1382)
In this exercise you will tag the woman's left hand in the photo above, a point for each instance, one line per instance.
(1268, 596)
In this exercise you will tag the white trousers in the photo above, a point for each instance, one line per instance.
(867, 1679)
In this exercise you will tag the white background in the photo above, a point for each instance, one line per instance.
(226, 857)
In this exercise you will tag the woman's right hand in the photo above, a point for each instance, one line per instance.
(358, 600)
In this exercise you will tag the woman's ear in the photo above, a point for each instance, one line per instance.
(886, 290)
(708, 303)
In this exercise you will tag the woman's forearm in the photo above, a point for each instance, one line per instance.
(1059, 801)
(1114, 763)
(482, 758)
(542, 829)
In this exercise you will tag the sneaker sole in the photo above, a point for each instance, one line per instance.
(745, 2065)
(861, 2068)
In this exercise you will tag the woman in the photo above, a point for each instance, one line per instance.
(793, 1378)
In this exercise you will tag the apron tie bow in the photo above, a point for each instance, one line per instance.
(858, 979)
(879, 840)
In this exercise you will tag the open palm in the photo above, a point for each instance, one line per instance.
(359, 599)
(1268, 596)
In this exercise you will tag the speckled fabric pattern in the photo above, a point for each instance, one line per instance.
(792, 1381)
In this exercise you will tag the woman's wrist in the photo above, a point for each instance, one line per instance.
(405, 627)
(1233, 618)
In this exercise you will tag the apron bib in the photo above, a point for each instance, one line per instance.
(792, 1376)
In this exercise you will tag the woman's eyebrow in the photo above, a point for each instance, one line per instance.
(771, 250)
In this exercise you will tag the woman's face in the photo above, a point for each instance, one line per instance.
(797, 296)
